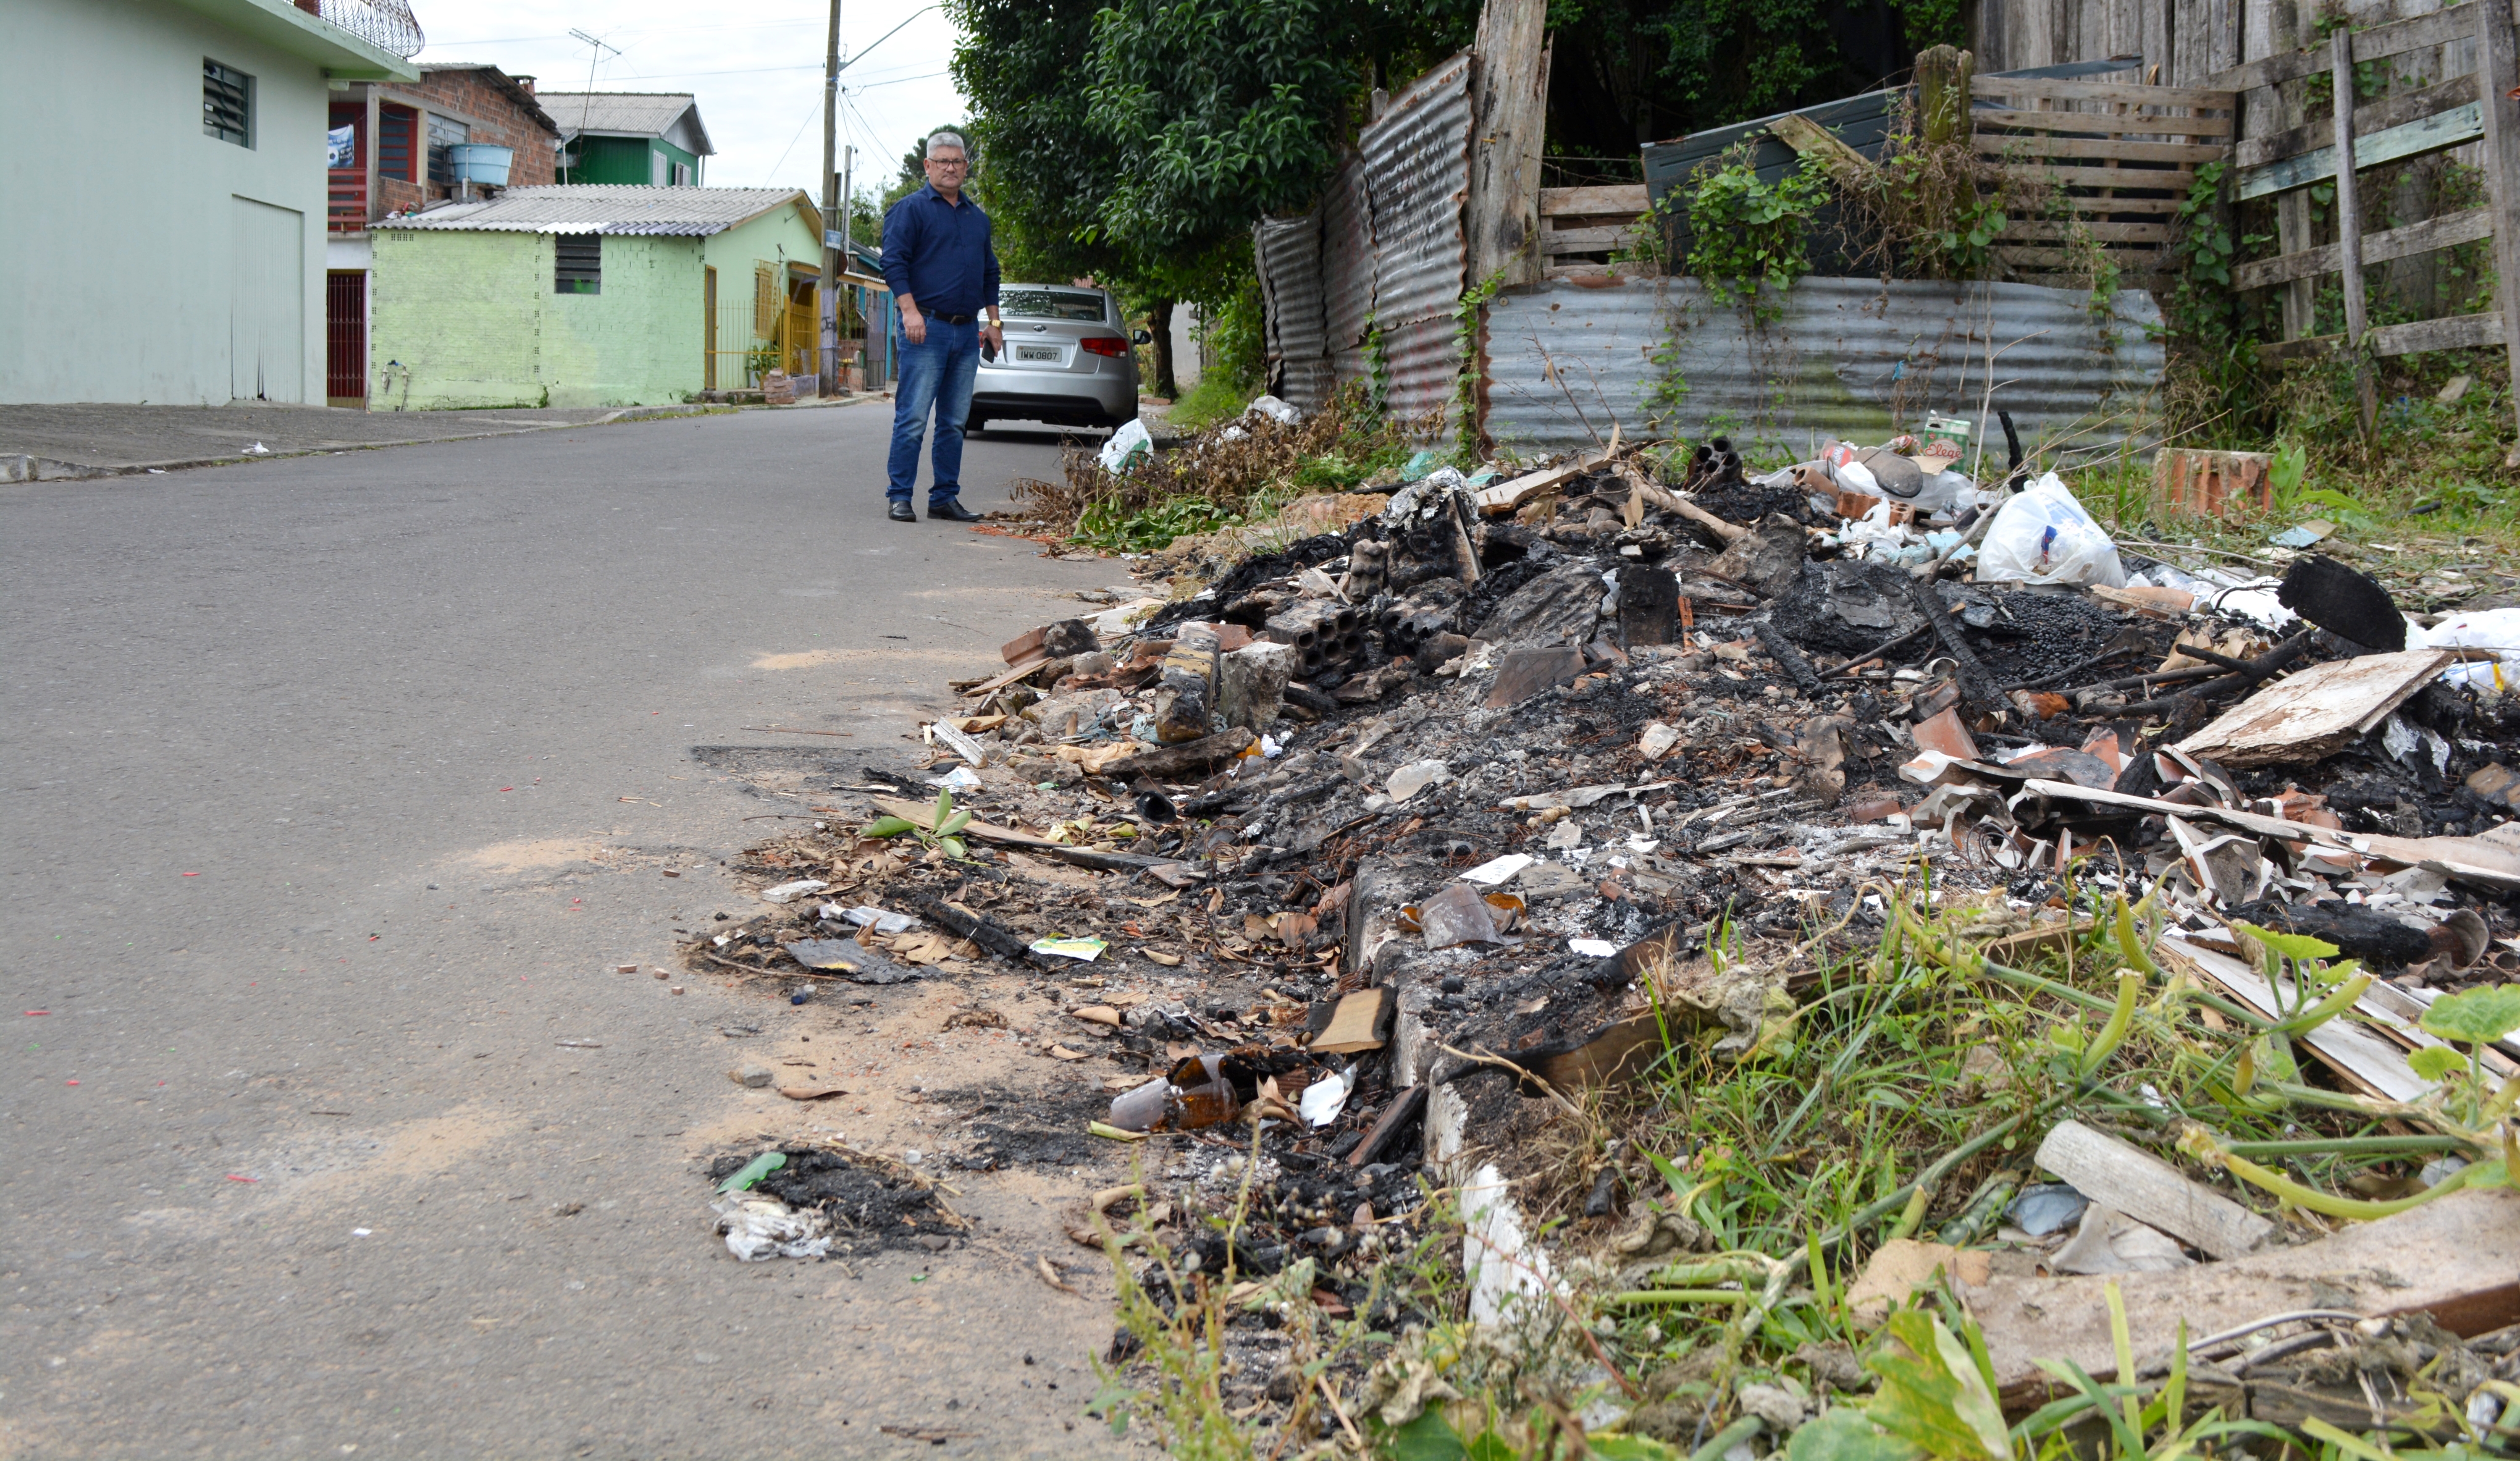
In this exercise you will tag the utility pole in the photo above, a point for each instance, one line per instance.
(832, 263)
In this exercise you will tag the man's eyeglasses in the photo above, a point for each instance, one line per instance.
(948, 163)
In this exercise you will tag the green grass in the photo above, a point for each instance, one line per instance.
(1214, 399)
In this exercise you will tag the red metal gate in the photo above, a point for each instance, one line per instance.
(346, 338)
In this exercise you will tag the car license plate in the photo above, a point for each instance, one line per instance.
(1038, 352)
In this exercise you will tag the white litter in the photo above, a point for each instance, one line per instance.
(885, 921)
(2043, 536)
(1415, 778)
(958, 742)
(1490, 873)
(797, 889)
(757, 1228)
(959, 780)
(1323, 1100)
(1127, 447)
(1592, 947)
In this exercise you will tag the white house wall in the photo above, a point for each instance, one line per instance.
(116, 258)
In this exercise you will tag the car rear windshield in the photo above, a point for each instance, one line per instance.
(1050, 304)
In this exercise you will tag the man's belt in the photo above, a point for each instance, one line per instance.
(953, 319)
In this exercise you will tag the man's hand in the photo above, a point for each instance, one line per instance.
(996, 334)
(914, 325)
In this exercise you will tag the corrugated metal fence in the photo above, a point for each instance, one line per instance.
(1383, 249)
(1852, 358)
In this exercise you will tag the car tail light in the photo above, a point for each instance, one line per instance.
(1113, 345)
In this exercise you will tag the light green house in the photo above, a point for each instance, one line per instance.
(629, 137)
(592, 295)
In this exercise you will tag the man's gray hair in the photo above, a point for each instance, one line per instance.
(953, 140)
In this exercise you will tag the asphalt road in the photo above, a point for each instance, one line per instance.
(338, 786)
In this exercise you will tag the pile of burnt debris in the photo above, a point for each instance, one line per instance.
(1414, 856)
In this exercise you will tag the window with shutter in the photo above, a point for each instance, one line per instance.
(397, 132)
(227, 102)
(443, 133)
(767, 305)
(578, 263)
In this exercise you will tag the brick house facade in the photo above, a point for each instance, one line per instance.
(399, 134)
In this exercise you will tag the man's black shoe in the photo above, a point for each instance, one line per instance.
(901, 513)
(951, 512)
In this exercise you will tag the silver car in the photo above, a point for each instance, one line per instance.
(1069, 361)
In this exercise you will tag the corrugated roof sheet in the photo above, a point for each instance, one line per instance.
(1851, 359)
(648, 114)
(605, 208)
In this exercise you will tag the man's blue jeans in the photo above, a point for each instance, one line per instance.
(937, 373)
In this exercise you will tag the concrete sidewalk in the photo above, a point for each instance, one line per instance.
(48, 443)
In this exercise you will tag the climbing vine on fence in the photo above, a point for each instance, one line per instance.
(2213, 361)
(1749, 240)
(1466, 388)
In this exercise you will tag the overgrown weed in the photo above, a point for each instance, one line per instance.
(1230, 477)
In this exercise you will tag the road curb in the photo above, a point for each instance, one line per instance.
(24, 467)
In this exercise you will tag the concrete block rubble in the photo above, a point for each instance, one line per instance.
(1822, 954)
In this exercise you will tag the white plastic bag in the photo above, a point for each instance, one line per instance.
(2497, 630)
(2045, 536)
(1127, 447)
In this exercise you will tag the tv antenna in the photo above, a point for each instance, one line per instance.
(594, 56)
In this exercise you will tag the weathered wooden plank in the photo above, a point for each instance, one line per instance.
(2376, 116)
(2435, 133)
(2131, 1180)
(2029, 228)
(2035, 89)
(2497, 63)
(2423, 1262)
(2441, 27)
(2446, 232)
(1588, 240)
(2088, 206)
(1606, 197)
(2066, 261)
(2009, 146)
(2111, 123)
(2173, 179)
(2452, 23)
(2454, 332)
(2349, 222)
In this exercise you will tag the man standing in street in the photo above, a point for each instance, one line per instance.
(944, 275)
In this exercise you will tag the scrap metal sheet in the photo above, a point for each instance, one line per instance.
(1424, 357)
(1851, 358)
(1417, 167)
(1347, 255)
(1289, 251)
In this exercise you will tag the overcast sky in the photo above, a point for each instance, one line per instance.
(758, 75)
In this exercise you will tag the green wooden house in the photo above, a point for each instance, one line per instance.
(589, 295)
(629, 137)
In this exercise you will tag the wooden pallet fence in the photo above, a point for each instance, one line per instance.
(1580, 228)
(2123, 156)
(2448, 113)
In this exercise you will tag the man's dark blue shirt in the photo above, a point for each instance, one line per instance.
(938, 255)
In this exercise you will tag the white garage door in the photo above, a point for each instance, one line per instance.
(267, 303)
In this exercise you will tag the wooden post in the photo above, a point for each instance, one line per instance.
(2498, 73)
(2349, 221)
(2292, 207)
(1511, 105)
(1942, 94)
